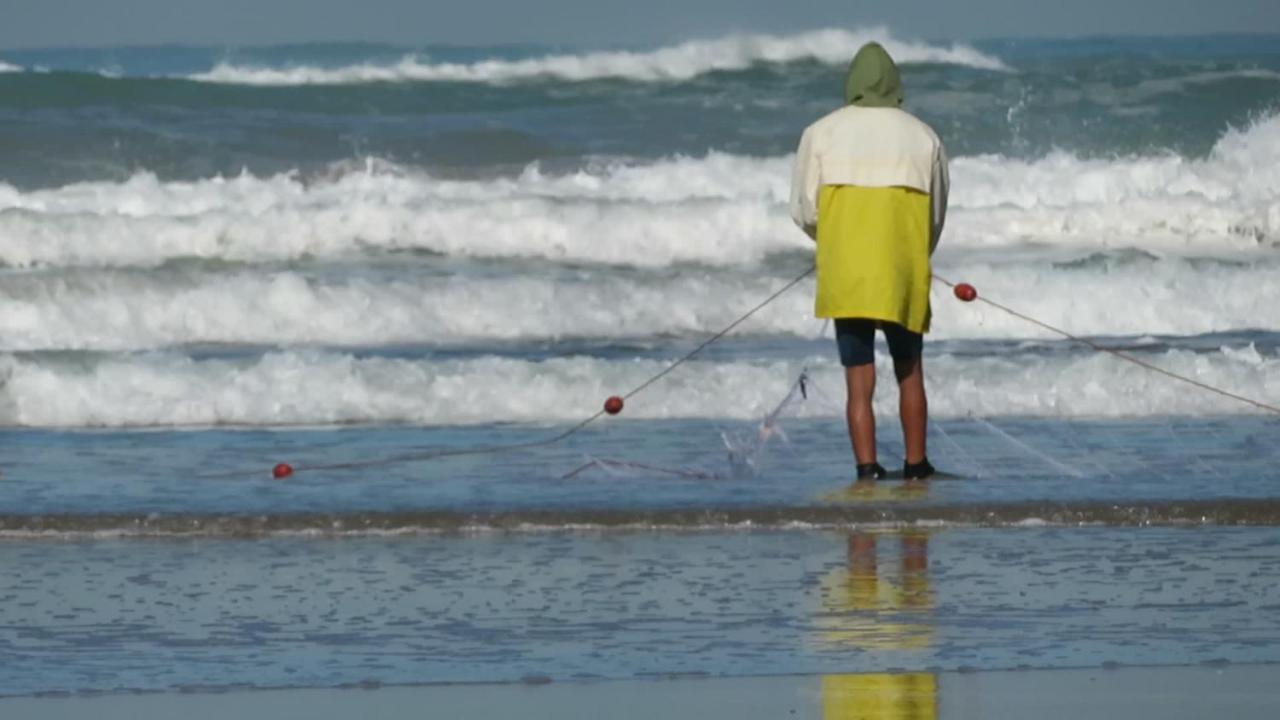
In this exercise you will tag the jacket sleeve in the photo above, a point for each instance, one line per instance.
(941, 184)
(804, 186)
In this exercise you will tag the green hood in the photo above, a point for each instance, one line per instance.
(873, 79)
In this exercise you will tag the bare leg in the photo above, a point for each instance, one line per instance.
(861, 383)
(913, 407)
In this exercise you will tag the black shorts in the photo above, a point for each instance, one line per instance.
(856, 338)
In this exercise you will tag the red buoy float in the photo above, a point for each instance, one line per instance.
(966, 292)
(613, 405)
(281, 471)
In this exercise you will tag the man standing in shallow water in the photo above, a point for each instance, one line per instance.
(870, 187)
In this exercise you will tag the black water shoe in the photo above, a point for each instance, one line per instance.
(871, 471)
(917, 471)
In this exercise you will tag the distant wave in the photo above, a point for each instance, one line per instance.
(1182, 83)
(298, 388)
(7, 68)
(671, 63)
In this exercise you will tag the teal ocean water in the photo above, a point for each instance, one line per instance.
(213, 260)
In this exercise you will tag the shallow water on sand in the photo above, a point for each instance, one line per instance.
(102, 481)
(301, 612)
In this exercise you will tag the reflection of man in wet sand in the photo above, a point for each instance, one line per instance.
(869, 612)
(869, 491)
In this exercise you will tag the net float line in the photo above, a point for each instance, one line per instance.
(967, 293)
(615, 403)
(612, 406)
(624, 464)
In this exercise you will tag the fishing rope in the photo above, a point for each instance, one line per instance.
(564, 435)
(768, 428)
(608, 464)
(1119, 353)
(1028, 449)
(716, 337)
(978, 470)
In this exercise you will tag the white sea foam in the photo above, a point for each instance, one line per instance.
(126, 311)
(313, 388)
(676, 62)
(632, 233)
(9, 68)
(717, 176)
(132, 311)
(719, 210)
(1107, 295)
(1165, 200)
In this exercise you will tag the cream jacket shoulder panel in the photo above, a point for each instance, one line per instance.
(869, 147)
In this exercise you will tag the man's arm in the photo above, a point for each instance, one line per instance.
(804, 187)
(941, 186)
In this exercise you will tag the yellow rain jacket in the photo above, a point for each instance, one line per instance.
(870, 186)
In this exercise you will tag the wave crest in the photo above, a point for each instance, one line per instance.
(716, 210)
(118, 311)
(672, 63)
(317, 388)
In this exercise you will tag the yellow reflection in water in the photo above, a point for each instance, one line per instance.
(870, 608)
(880, 696)
(864, 491)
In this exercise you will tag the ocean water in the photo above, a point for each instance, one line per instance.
(354, 258)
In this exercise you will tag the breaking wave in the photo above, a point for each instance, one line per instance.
(717, 210)
(325, 388)
(132, 310)
(672, 63)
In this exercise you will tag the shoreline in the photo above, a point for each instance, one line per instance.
(885, 506)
